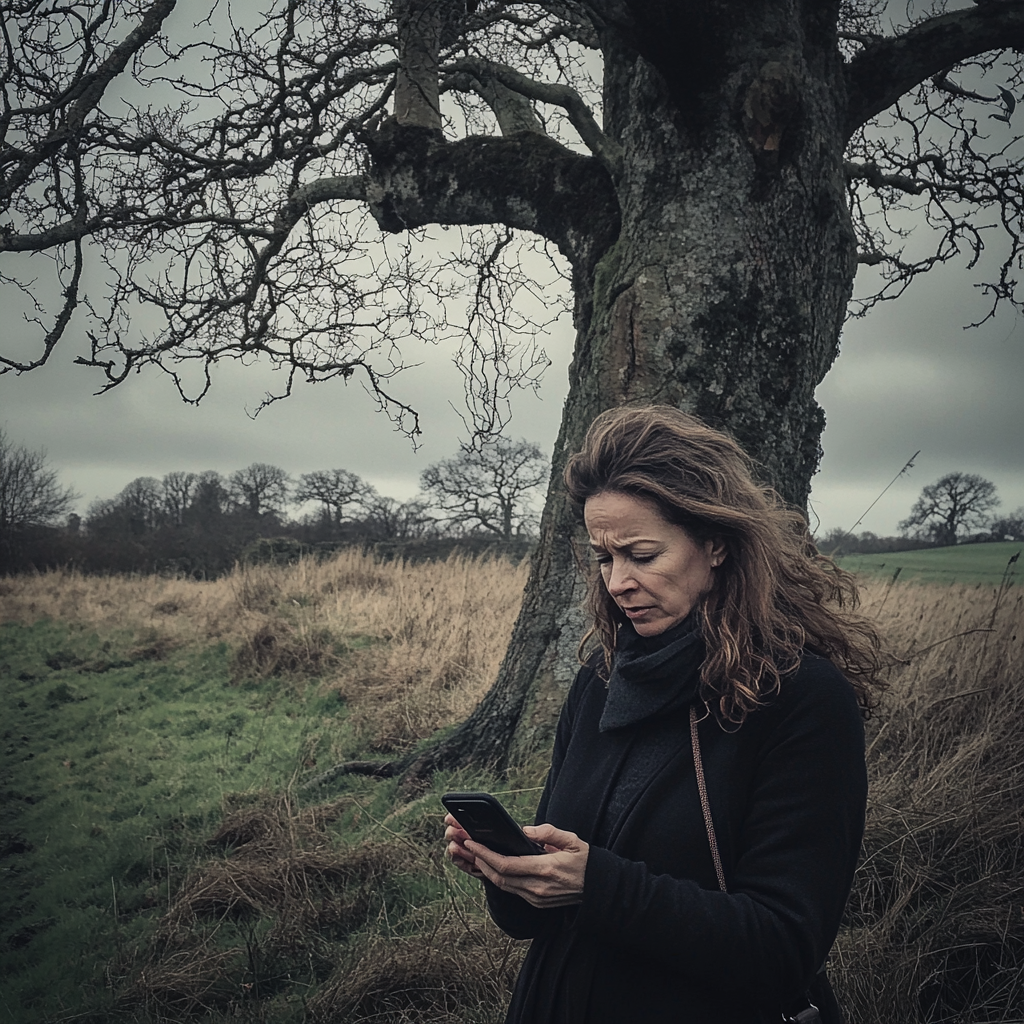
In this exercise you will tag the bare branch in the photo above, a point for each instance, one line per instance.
(606, 150)
(83, 98)
(525, 181)
(323, 190)
(882, 72)
(513, 112)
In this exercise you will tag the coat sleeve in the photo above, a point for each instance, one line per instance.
(511, 913)
(795, 853)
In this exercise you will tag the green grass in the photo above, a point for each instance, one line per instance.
(161, 861)
(966, 563)
(117, 754)
(122, 756)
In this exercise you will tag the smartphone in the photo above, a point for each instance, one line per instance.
(487, 822)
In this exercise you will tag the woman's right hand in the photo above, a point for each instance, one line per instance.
(455, 836)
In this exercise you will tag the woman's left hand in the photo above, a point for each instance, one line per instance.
(552, 879)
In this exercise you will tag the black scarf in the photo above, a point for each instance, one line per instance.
(653, 675)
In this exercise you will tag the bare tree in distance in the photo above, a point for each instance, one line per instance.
(707, 175)
(178, 489)
(260, 489)
(952, 506)
(30, 494)
(390, 519)
(489, 487)
(211, 498)
(136, 509)
(339, 492)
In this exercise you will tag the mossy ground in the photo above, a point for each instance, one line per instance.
(162, 861)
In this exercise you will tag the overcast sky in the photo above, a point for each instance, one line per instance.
(908, 377)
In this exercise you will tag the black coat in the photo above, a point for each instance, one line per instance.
(654, 939)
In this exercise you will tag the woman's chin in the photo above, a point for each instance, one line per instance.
(650, 628)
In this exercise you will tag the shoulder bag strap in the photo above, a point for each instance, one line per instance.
(704, 804)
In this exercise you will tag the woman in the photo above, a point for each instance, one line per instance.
(708, 594)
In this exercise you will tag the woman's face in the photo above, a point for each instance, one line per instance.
(653, 569)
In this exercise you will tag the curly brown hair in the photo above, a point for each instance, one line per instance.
(772, 597)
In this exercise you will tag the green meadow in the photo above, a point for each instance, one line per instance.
(965, 563)
(117, 756)
(166, 857)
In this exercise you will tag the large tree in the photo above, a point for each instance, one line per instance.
(708, 173)
(954, 504)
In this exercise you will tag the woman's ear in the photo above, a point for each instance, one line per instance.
(714, 547)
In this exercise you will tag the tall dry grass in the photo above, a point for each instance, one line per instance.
(935, 926)
(377, 929)
(411, 647)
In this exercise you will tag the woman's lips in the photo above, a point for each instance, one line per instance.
(635, 613)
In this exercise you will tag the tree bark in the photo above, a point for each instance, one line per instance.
(723, 294)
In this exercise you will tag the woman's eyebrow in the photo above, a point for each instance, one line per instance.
(625, 544)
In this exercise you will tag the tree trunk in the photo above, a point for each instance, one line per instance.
(723, 295)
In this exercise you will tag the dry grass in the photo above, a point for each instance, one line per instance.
(457, 971)
(268, 911)
(410, 647)
(935, 927)
(934, 931)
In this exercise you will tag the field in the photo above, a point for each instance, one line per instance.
(965, 563)
(162, 861)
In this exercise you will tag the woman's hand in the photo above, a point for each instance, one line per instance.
(552, 879)
(456, 836)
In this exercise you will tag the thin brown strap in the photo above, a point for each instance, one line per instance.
(705, 806)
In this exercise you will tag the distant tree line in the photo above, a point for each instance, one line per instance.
(202, 523)
(957, 508)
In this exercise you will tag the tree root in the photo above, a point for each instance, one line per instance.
(376, 769)
(468, 744)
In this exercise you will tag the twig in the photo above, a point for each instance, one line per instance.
(908, 465)
(953, 696)
(885, 596)
(946, 639)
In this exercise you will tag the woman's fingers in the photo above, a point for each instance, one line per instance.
(455, 836)
(545, 880)
(461, 859)
(553, 837)
(454, 829)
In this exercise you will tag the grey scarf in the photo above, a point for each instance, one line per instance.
(652, 675)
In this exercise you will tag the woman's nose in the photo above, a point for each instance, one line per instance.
(620, 579)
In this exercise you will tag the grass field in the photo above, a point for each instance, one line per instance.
(965, 563)
(161, 861)
(157, 862)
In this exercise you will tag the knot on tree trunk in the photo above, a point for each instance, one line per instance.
(396, 151)
(771, 108)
